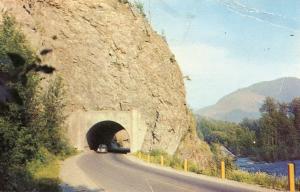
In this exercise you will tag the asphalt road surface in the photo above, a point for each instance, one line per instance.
(116, 173)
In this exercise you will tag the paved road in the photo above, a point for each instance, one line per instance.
(115, 173)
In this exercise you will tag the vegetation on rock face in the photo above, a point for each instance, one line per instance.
(193, 148)
(204, 157)
(140, 6)
(30, 121)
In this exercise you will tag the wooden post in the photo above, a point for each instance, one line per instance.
(222, 170)
(162, 160)
(185, 165)
(148, 158)
(291, 176)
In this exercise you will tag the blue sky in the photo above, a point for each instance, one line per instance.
(224, 45)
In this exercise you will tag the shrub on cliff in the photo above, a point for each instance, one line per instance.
(140, 7)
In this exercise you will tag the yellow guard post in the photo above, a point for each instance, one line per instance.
(222, 170)
(291, 170)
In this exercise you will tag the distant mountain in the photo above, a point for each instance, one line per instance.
(247, 101)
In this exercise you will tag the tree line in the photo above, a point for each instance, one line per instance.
(275, 136)
(233, 136)
(277, 131)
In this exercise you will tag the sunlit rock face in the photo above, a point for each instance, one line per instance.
(109, 59)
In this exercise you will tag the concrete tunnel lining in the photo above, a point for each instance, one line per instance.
(79, 124)
(102, 133)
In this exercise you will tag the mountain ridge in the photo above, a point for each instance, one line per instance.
(245, 102)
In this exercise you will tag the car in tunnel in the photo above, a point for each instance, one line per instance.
(102, 148)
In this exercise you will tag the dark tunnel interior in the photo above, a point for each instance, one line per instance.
(102, 133)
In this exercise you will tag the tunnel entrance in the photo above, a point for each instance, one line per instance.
(110, 133)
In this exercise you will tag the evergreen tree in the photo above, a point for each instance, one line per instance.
(268, 136)
(53, 102)
(295, 109)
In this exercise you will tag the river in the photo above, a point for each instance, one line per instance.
(278, 168)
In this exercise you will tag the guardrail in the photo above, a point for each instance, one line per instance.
(185, 166)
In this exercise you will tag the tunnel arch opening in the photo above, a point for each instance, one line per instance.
(108, 133)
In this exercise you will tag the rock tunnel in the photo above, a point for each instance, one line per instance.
(106, 132)
(88, 129)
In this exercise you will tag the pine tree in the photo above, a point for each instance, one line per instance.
(295, 109)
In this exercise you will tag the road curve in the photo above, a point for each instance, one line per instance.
(115, 173)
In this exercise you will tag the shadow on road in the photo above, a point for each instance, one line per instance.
(68, 188)
(119, 150)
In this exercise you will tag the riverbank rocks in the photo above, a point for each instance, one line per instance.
(109, 59)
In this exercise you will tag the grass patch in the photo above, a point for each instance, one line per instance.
(46, 176)
(169, 160)
(45, 170)
(258, 178)
(172, 161)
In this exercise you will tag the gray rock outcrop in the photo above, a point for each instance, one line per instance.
(109, 59)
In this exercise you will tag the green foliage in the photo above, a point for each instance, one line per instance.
(123, 1)
(219, 156)
(232, 173)
(17, 144)
(13, 41)
(53, 118)
(169, 160)
(44, 170)
(163, 35)
(157, 152)
(236, 138)
(259, 178)
(276, 131)
(140, 6)
(31, 125)
(275, 136)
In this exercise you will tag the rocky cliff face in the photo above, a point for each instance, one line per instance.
(109, 59)
(193, 148)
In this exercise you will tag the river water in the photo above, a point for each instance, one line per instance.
(278, 168)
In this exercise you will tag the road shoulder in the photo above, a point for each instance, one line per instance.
(73, 179)
(199, 176)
